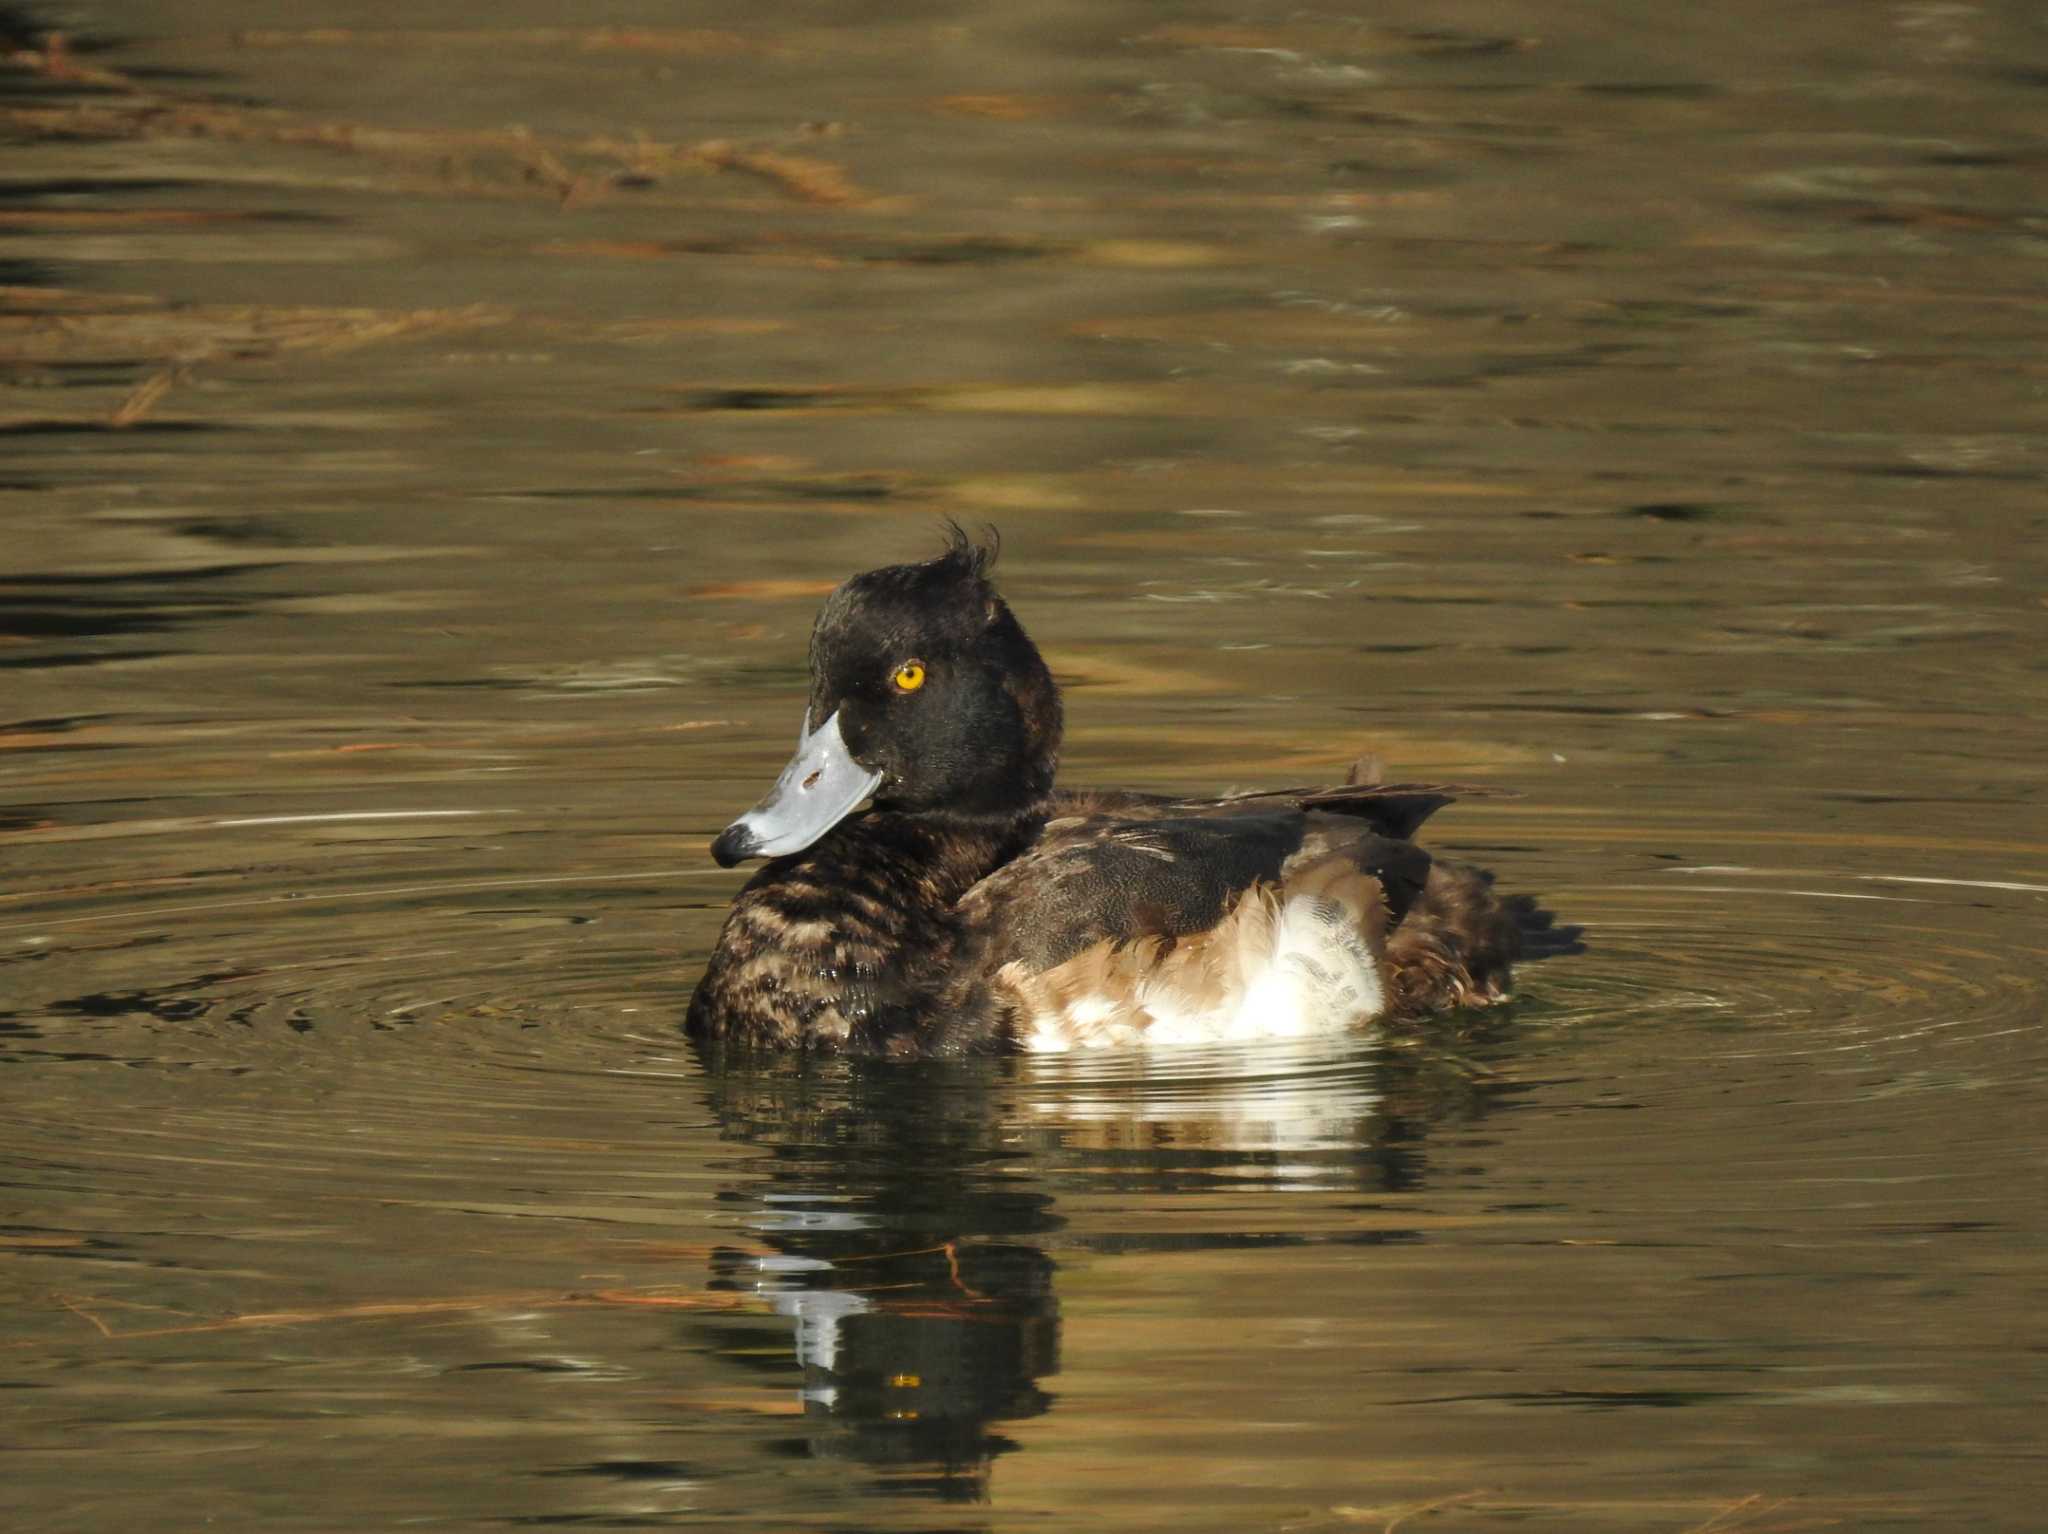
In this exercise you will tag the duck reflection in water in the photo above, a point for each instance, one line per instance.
(903, 1225)
(904, 1236)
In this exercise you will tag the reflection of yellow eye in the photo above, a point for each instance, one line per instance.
(909, 676)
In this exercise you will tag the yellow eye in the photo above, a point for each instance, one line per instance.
(909, 676)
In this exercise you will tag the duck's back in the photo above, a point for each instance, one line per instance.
(1140, 921)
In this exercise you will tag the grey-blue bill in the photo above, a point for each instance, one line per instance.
(820, 787)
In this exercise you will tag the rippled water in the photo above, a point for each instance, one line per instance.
(425, 450)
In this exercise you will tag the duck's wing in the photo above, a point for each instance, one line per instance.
(1390, 809)
(1169, 922)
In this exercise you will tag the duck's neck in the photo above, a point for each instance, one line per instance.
(959, 847)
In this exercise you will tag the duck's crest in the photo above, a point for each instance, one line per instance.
(975, 557)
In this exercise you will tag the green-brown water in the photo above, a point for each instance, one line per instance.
(424, 448)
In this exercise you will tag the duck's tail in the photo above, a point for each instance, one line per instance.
(1456, 946)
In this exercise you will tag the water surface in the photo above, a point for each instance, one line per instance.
(426, 447)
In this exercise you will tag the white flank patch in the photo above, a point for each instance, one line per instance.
(1317, 976)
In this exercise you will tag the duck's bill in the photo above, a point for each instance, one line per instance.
(820, 787)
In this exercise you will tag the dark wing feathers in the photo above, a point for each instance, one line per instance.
(1172, 874)
(1097, 877)
(1391, 809)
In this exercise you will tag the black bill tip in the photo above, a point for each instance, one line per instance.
(735, 844)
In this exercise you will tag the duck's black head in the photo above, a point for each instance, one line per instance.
(926, 694)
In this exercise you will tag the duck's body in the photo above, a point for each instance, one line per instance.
(974, 908)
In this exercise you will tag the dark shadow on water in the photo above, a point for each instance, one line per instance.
(94, 609)
(43, 610)
(53, 426)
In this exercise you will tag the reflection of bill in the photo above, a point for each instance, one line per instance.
(817, 1313)
(908, 1359)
